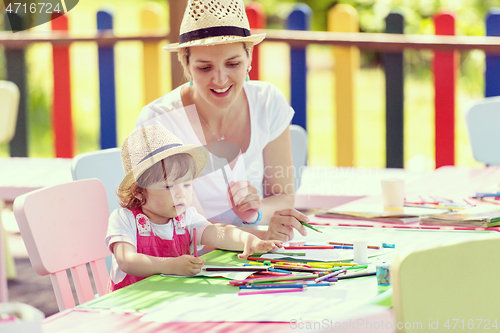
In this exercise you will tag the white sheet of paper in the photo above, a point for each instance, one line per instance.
(227, 275)
(325, 255)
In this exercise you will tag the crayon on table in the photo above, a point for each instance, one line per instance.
(280, 286)
(195, 248)
(303, 281)
(279, 270)
(272, 291)
(336, 263)
(342, 277)
(235, 269)
(323, 247)
(305, 224)
(281, 278)
(349, 267)
(334, 274)
(350, 244)
(299, 269)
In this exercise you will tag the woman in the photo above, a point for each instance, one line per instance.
(244, 124)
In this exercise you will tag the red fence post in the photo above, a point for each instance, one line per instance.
(444, 68)
(257, 20)
(61, 113)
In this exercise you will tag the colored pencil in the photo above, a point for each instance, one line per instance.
(195, 248)
(279, 270)
(303, 281)
(349, 267)
(336, 263)
(305, 224)
(348, 244)
(280, 278)
(280, 262)
(482, 195)
(253, 263)
(341, 277)
(234, 269)
(299, 269)
(293, 264)
(272, 291)
(263, 259)
(334, 279)
(292, 285)
(334, 274)
(325, 247)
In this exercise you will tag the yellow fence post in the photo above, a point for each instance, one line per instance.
(344, 18)
(151, 18)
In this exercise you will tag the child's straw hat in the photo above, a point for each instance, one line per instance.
(213, 22)
(146, 146)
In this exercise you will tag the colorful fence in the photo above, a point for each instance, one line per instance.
(343, 25)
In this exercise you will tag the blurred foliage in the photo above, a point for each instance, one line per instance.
(418, 15)
(372, 13)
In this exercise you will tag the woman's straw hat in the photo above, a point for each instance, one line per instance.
(213, 22)
(146, 146)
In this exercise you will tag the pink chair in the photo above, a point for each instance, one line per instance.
(63, 227)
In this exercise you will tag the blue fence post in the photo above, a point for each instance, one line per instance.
(16, 72)
(492, 72)
(394, 97)
(107, 84)
(299, 19)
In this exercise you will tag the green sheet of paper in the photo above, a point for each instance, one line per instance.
(157, 289)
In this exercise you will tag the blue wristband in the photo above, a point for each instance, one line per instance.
(259, 217)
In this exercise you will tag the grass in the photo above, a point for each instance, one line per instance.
(369, 116)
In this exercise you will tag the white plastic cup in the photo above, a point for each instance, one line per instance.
(393, 193)
(360, 252)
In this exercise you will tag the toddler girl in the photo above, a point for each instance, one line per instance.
(153, 232)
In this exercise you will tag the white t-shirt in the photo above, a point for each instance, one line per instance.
(122, 227)
(270, 115)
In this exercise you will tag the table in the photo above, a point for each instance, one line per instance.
(443, 181)
(327, 187)
(123, 308)
(19, 175)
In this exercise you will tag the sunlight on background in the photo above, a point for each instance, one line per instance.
(274, 57)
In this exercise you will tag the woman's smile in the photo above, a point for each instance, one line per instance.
(222, 92)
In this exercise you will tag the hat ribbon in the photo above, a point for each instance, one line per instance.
(213, 32)
(159, 150)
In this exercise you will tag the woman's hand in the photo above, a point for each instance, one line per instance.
(244, 199)
(283, 222)
(254, 244)
(188, 265)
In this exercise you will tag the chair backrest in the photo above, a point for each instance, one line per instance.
(299, 141)
(104, 165)
(458, 281)
(9, 105)
(483, 123)
(63, 227)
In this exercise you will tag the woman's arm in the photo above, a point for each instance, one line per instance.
(141, 265)
(277, 185)
(278, 192)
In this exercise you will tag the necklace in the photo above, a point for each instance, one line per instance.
(219, 138)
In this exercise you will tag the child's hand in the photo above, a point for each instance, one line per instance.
(255, 244)
(188, 265)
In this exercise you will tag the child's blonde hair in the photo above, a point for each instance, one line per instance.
(171, 168)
